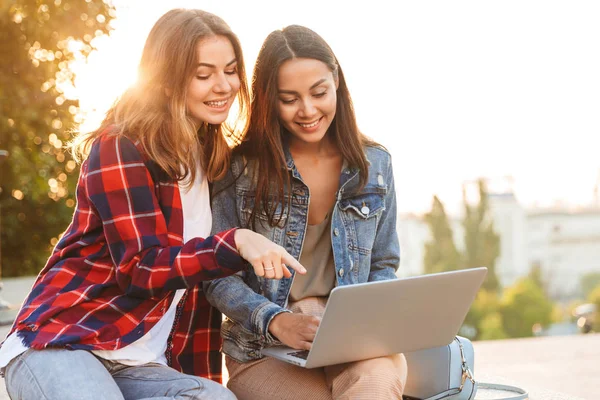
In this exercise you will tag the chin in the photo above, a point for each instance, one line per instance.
(214, 120)
(312, 137)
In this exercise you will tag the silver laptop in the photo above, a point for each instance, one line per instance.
(375, 319)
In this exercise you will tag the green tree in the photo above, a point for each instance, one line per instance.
(491, 327)
(589, 282)
(40, 40)
(482, 243)
(484, 317)
(523, 305)
(537, 275)
(440, 252)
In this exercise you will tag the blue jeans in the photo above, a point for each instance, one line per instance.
(79, 375)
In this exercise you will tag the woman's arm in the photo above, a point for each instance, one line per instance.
(234, 298)
(122, 192)
(148, 257)
(231, 295)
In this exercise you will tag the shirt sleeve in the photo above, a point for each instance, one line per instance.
(149, 259)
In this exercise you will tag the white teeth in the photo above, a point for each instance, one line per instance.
(309, 125)
(216, 103)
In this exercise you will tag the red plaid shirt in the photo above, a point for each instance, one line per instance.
(114, 272)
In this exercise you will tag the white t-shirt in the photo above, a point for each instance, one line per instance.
(151, 347)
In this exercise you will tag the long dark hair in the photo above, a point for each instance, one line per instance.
(263, 141)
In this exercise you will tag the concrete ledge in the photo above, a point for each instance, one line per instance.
(549, 368)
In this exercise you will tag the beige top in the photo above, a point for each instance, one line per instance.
(317, 258)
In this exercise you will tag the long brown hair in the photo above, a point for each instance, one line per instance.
(145, 112)
(264, 140)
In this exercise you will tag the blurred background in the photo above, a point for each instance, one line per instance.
(490, 111)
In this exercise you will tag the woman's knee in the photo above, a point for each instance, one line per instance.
(383, 376)
(401, 367)
(394, 364)
(59, 373)
(208, 389)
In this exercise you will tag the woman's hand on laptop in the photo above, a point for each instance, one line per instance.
(295, 330)
(267, 258)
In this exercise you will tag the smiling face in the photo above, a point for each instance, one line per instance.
(215, 83)
(307, 98)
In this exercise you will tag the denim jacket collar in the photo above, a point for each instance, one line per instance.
(348, 172)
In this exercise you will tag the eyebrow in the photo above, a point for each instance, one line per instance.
(214, 66)
(317, 83)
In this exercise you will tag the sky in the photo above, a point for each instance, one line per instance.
(456, 90)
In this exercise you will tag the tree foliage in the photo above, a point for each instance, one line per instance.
(589, 282)
(536, 275)
(40, 41)
(492, 327)
(484, 317)
(523, 305)
(482, 243)
(440, 252)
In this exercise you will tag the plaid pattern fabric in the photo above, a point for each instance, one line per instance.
(113, 274)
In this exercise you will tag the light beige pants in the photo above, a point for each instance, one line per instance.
(265, 379)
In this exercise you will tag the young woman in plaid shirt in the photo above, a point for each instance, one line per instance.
(118, 312)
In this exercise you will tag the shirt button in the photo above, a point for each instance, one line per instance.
(341, 272)
(336, 232)
(365, 210)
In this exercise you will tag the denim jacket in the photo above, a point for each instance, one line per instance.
(363, 235)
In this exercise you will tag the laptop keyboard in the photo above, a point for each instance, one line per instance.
(303, 354)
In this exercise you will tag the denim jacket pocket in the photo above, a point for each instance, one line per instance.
(361, 215)
(367, 204)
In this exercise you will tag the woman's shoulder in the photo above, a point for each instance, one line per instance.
(111, 138)
(111, 148)
(240, 161)
(237, 157)
(376, 152)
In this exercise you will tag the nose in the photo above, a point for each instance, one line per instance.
(222, 85)
(307, 109)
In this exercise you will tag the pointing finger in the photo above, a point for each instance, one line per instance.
(291, 262)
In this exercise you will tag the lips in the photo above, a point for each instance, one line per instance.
(310, 124)
(216, 103)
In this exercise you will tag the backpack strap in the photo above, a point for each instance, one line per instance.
(520, 394)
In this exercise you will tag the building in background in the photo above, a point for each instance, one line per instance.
(566, 246)
(563, 242)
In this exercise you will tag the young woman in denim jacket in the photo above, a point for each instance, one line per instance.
(306, 178)
(117, 312)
